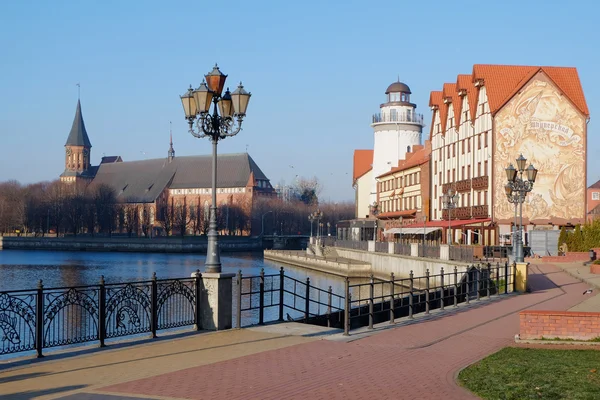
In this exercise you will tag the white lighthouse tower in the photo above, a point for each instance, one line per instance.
(397, 128)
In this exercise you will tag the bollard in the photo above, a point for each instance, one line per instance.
(392, 302)
(410, 298)
(442, 292)
(427, 291)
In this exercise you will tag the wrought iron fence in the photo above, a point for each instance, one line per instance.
(384, 300)
(45, 318)
(266, 298)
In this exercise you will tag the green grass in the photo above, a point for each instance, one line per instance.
(522, 373)
(557, 339)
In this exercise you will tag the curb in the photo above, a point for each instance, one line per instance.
(554, 342)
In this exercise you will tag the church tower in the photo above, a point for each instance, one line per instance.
(171, 155)
(397, 128)
(77, 152)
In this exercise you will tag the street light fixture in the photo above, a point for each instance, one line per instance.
(516, 191)
(375, 212)
(450, 200)
(232, 108)
(315, 216)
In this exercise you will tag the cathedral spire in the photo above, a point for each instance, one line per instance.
(78, 135)
(171, 150)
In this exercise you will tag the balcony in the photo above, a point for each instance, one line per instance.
(458, 213)
(481, 212)
(403, 117)
(480, 182)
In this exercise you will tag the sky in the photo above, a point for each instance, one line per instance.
(317, 71)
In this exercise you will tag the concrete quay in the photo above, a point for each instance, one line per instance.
(406, 360)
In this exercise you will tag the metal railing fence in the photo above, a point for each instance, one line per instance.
(63, 316)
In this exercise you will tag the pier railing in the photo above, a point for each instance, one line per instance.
(51, 317)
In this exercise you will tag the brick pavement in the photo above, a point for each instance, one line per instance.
(418, 361)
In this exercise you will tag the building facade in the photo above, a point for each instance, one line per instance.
(362, 177)
(482, 122)
(593, 202)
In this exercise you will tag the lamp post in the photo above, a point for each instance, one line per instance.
(375, 212)
(424, 217)
(328, 229)
(262, 225)
(450, 200)
(311, 218)
(516, 191)
(225, 121)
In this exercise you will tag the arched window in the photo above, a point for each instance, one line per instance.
(408, 149)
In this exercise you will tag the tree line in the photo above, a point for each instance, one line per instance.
(582, 238)
(56, 208)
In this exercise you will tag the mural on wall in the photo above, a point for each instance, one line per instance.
(549, 131)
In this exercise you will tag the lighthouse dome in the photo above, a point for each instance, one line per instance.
(398, 87)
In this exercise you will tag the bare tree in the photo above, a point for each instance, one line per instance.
(132, 219)
(167, 216)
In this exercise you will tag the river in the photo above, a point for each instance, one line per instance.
(21, 269)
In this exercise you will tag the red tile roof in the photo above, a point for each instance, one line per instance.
(363, 160)
(465, 82)
(419, 155)
(436, 100)
(396, 214)
(595, 186)
(451, 91)
(453, 223)
(502, 82)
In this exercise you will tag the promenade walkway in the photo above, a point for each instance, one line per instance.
(408, 361)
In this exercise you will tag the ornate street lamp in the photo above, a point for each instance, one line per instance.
(375, 212)
(450, 201)
(516, 191)
(232, 108)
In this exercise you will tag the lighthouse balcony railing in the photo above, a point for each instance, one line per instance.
(398, 117)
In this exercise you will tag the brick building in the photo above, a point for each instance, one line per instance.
(156, 188)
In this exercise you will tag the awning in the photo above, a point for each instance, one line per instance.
(411, 231)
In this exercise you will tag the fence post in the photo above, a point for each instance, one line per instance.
(39, 320)
(442, 292)
(467, 283)
(307, 299)
(329, 293)
(455, 287)
(371, 290)
(514, 276)
(347, 307)
(505, 277)
(281, 291)
(392, 302)
(427, 291)
(488, 279)
(198, 289)
(238, 315)
(410, 298)
(102, 312)
(261, 299)
(154, 305)
(498, 278)
(478, 286)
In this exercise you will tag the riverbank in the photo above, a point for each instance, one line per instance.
(343, 267)
(192, 244)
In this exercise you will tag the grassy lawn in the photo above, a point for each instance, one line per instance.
(521, 373)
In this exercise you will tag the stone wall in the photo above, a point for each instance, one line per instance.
(559, 324)
(195, 244)
(338, 267)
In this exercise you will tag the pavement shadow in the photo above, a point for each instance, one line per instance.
(20, 377)
(31, 394)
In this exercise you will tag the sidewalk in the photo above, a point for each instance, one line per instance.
(418, 360)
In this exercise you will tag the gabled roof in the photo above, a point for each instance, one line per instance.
(111, 159)
(502, 82)
(143, 181)
(78, 135)
(595, 186)
(435, 100)
(420, 155)
(465, 82)
(363, 160)
(451, 92)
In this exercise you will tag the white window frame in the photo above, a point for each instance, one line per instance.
(595, 195)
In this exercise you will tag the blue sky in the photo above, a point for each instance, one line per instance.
(317, 70)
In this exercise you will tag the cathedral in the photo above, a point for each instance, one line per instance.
(152, 185)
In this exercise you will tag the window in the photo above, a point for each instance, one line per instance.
(485, 167)
(393, 115)
(485, 139)
(453, 149)
(465, 116)
(485, 198)
(595, 195)
(482, 108)
(448, 151)
(448, 176)
(462, 172)
(479, 142)
(434, 192)
(479, 169)
(463, 147)
(408, 149)
(468, 172)
(451, 122)
(440, 178)
(478, 198)
(468, 199)
(469, 145)
(439, 128)
(453, 174)
(435, 168)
